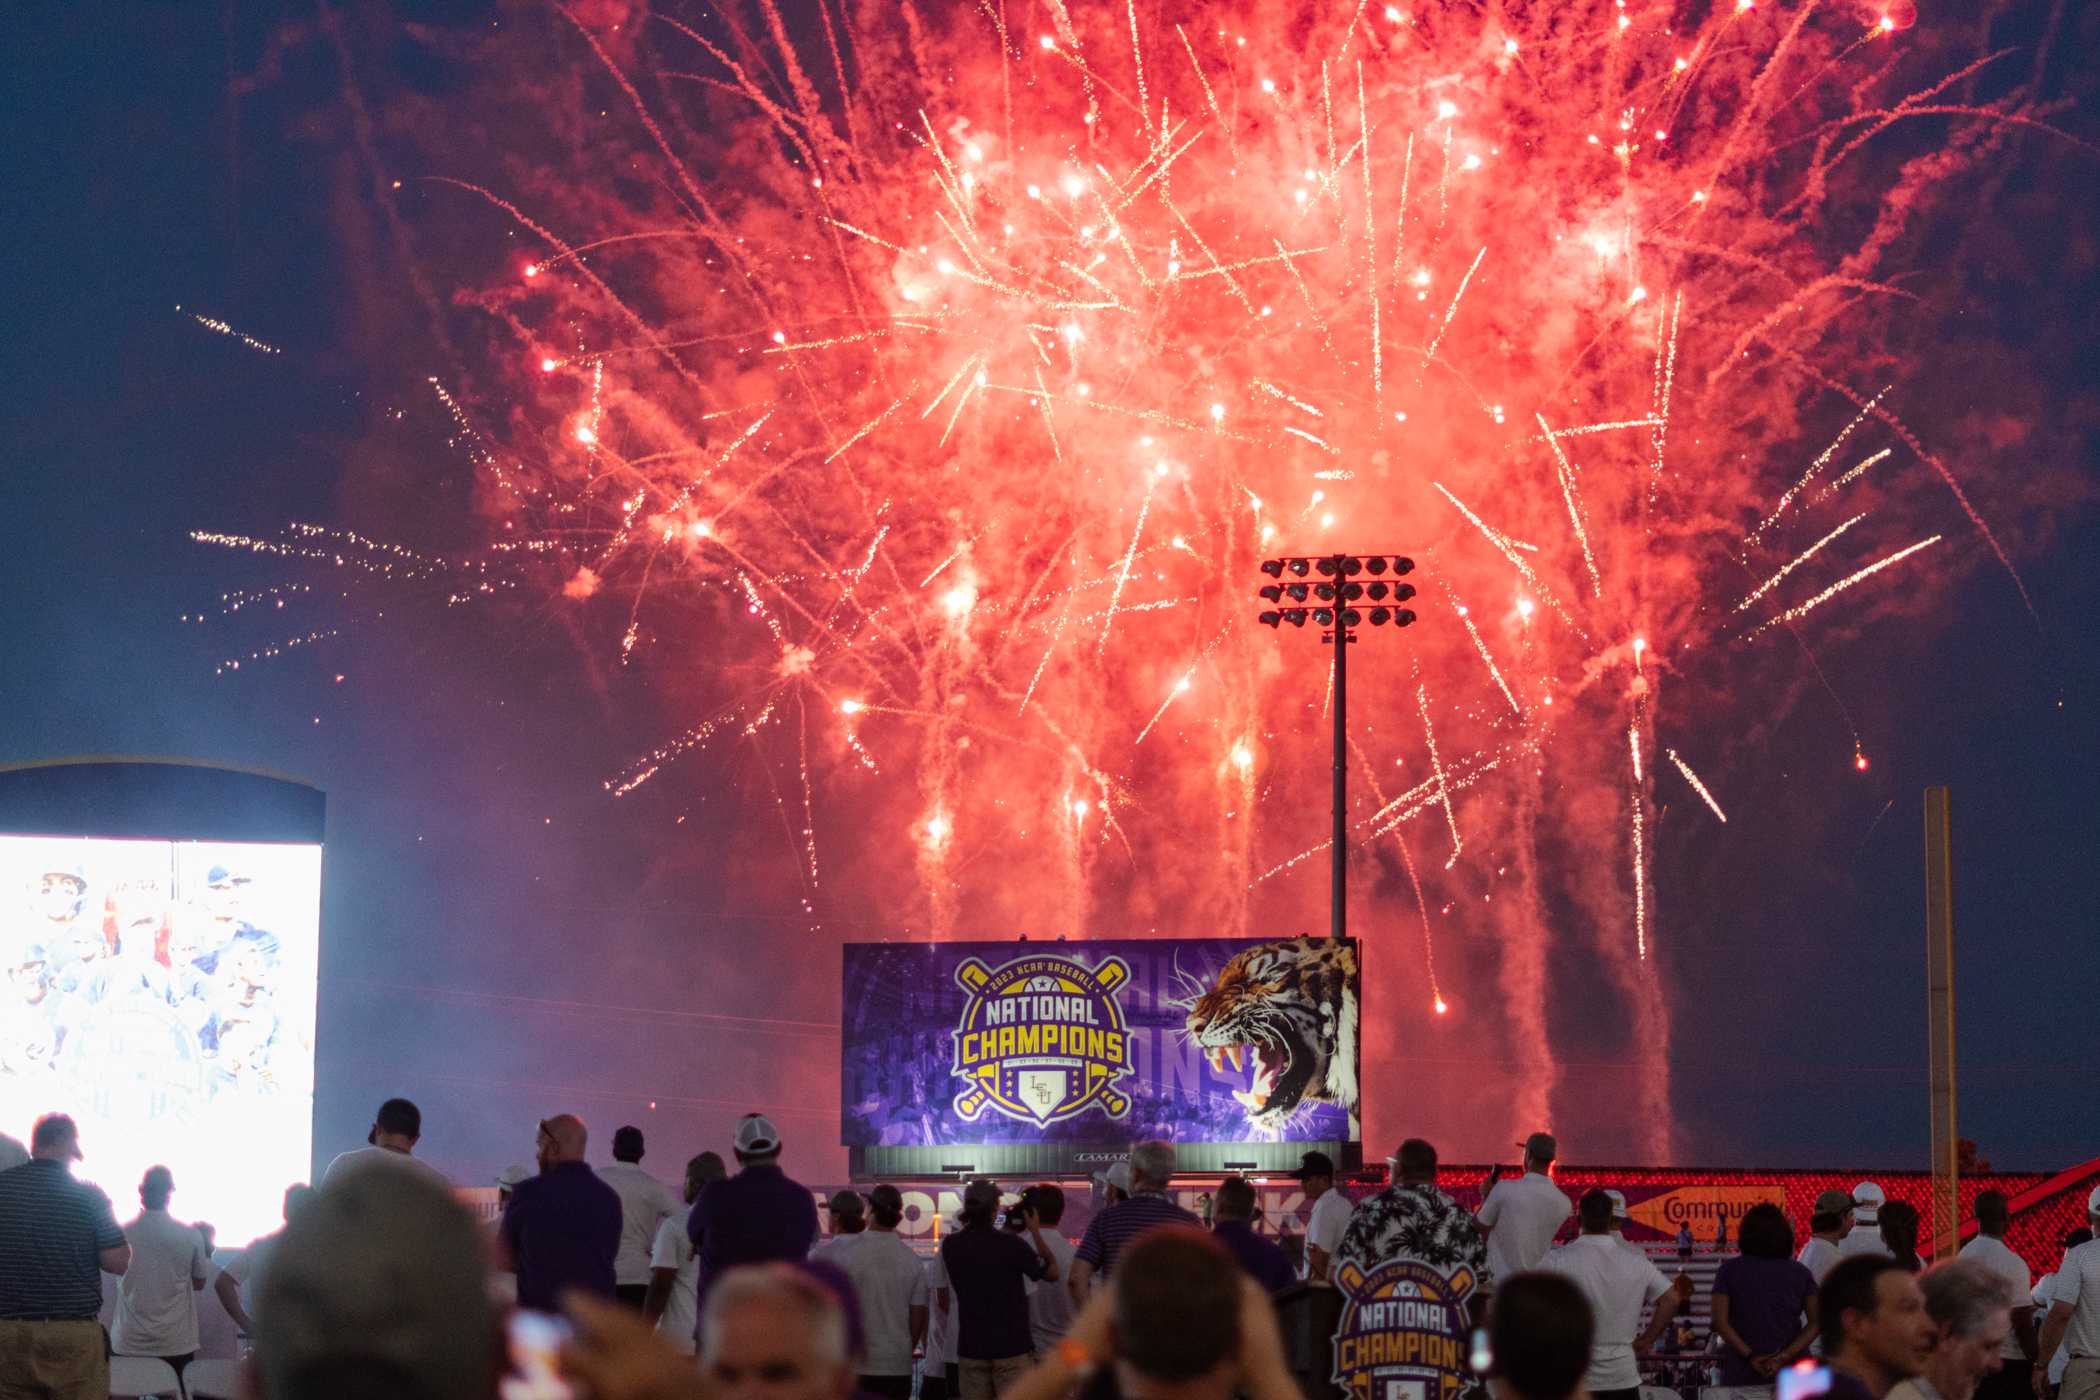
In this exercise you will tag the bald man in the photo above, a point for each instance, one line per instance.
(561, 1230)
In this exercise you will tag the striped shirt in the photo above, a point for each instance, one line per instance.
(1114, 1228)
(52, 1230)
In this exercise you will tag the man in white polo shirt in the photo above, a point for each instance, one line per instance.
(2012, 1379)
(1521, 1217)
(1865, 1235)
(1618, 1282)
(1330, 1215)
(156, 1303)
(2074, 1319)
(645, 1204)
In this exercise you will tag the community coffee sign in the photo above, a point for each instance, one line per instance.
(1701, 1207)
(1403, 1332)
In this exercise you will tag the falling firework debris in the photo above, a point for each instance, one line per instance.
(954, 381)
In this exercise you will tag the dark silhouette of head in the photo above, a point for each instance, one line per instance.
(1540, 1332)
(1177, 1306)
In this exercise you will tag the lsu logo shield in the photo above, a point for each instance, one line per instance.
(1041, 1040)
(1403, 1332)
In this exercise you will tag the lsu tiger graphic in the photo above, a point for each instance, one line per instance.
(1284, 1013)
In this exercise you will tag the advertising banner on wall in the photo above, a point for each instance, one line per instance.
(1103, 1041)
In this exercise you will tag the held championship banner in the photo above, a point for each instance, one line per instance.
(1105, 1041)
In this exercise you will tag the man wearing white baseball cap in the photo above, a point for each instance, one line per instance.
(1114, 1183)
(1619, 1216)
(1865, 1235)
(2074, 1319)
(756, 1216)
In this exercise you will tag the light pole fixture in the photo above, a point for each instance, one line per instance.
(1338, 592)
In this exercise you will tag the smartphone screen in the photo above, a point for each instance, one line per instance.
(1803, 1381)
(536, 1340)
(1481, 1357)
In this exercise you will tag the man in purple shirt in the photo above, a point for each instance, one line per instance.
(562, 1228)
(755, 1216)
(1263, 1259)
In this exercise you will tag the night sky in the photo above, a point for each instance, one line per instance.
(506, 942)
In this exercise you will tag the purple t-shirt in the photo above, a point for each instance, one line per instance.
(1263, 1260)
(563, 1229)
(755, 1217)
(1767, 1299)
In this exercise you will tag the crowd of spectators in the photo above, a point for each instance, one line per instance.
(381, 1283)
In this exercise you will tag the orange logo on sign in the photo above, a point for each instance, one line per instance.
(1700, 1206)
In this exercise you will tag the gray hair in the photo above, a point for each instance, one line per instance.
(1964, 1294)
(823, 1317)
(1153, 1160)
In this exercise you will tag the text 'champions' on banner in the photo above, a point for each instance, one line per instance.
(1196, 1040)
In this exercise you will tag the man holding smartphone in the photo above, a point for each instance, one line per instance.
(1520, 1218)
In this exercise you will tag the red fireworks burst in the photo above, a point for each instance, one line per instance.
(949, 388)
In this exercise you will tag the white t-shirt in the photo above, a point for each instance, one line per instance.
(1050, 1304)
(2078, 1282)
(889, 1281)
(1819, 1256)
(2000, 1260)
(358, 1157)
(246, 1267)
(1619, 1283)
(831, 1249)
(1523, 1216)
(673, 1249)
(1326, 1226)
(940, 1327)
(156, 1297)
(2044, 1295)
(645, 1203)
(1863, 1238)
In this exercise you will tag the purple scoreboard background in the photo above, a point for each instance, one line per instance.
(1103, 1041)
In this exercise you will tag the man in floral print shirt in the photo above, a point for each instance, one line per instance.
(1411, 1219)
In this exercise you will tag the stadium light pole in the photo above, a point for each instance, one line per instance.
(1340, 586)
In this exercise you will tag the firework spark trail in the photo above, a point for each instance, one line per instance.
(1930, 459)
(1363, 117)
(1697, 786)
(213, 323)
(1174, 692)
(1640, 855)
(1587, 429)
(1797, 561)
(1508, 549)
(1801, 610)
(1437, 1003)
(1115, 598)
(1565, 470)
(1452, 310)
(1852, 475)
(1443, 785)
(1665, 385)
(1815, 468)
(1479, 644)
